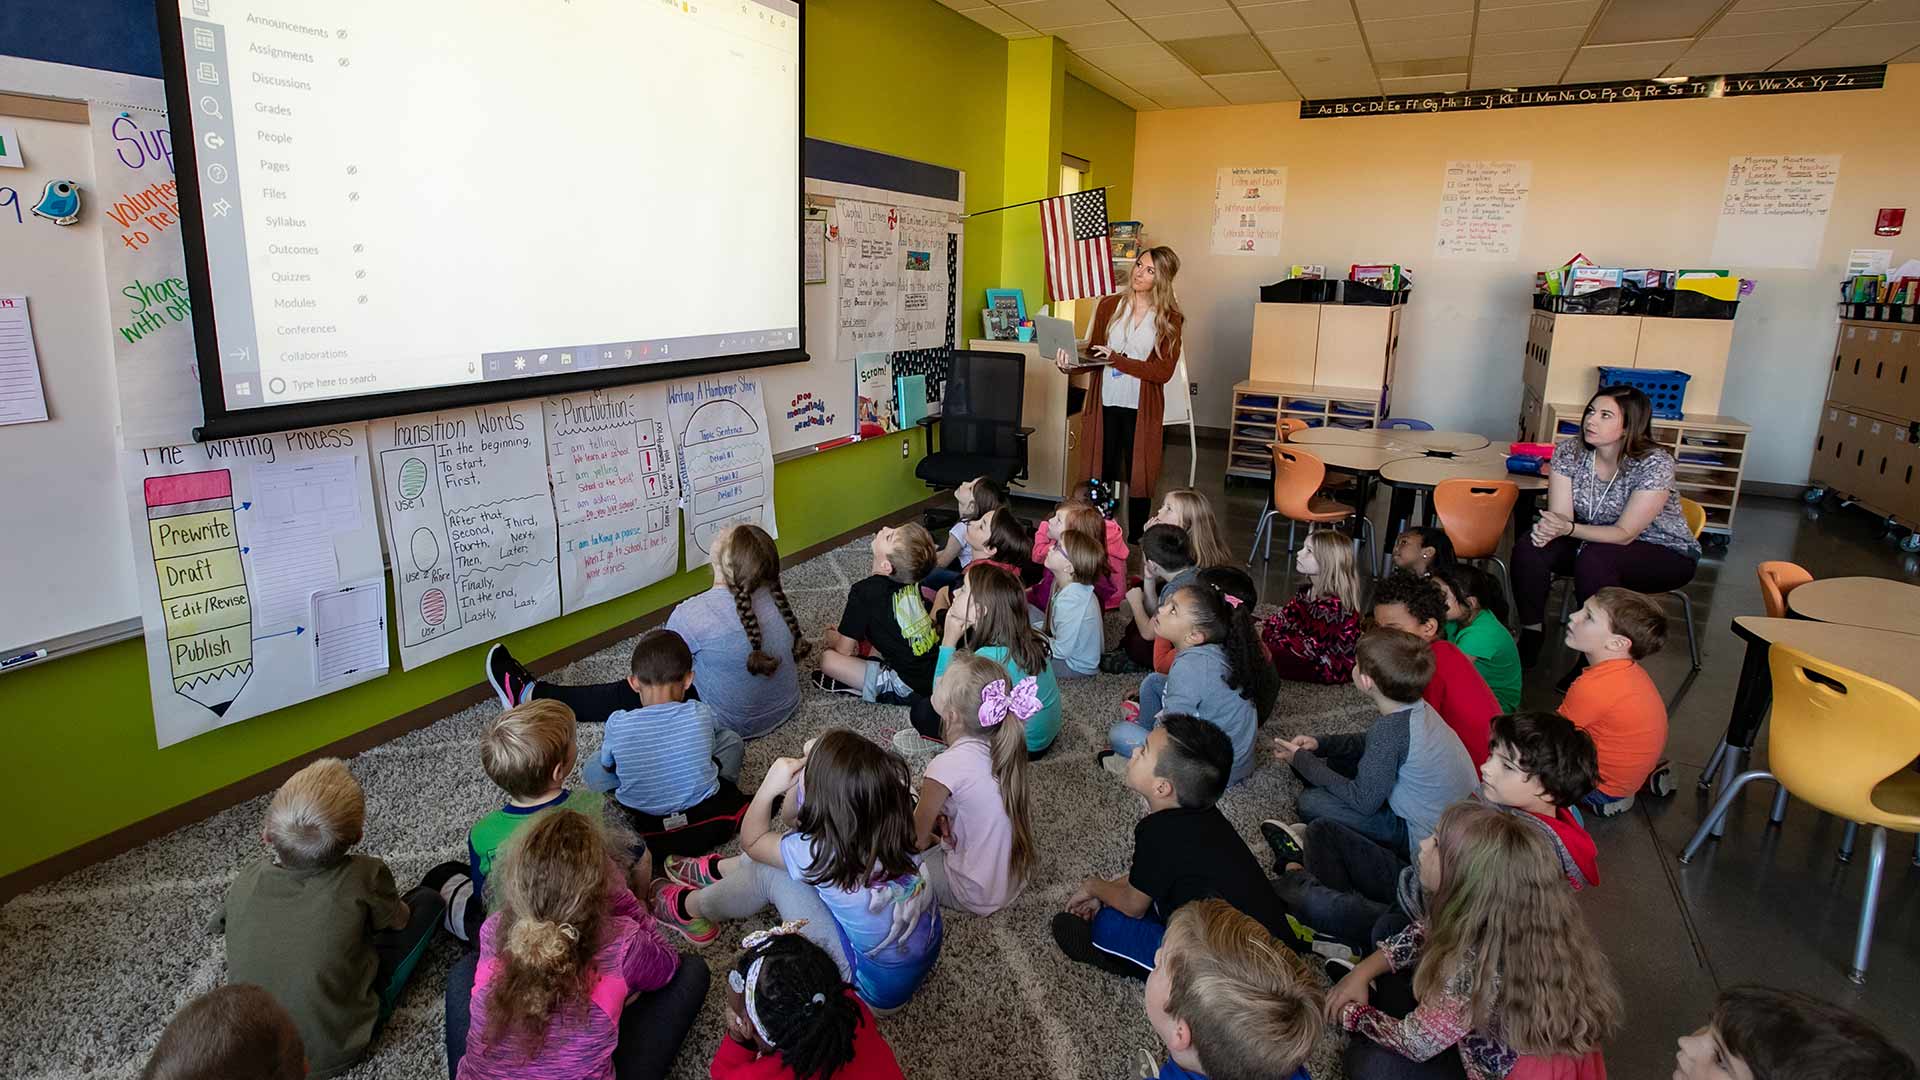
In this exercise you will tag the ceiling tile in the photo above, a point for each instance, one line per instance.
(1427, 84)
(1115, 57)
(1747, 45)
(1650, 50)
(1424, 26)
(1140, 103)
(1483, 80)
(1652, 20)
(1153, 87)
(1407, 9)
(1420, 69)
(1312, 37)
(1199, 95)
(1908, 57)
(1101, 35)
(962, 5)
(1501, 5)
(1421, 49)
(1724, 63)
(1741, 6)
(1339, 56)
(1255, 88)
(1574, 13)
(1849, 45)
(1095, 78)
(1607, 71)
(1049, 14)
(1226, 54)
(1296, 13)
(1549, 58)
(1785, 21)
(1146, 9)
(1194, 24)
(1353, 86)
(1884, 11)
(1526, 41)
(999, 21)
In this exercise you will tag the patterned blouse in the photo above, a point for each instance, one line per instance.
(1601, 502)
(1313, 640)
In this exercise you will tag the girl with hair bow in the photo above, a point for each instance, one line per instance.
(972, 823)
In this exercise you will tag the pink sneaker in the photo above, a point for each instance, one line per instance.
(693, 871)
(1130, 711)
(669, 902)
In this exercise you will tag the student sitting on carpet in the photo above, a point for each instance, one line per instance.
(1228, 1000)
(1312, 638)
(1215, 676)
(1077, 513)
(1183, 850)
(324, 931)
(792, 1016)
(974, 499)
(670, 765)
(1168, 566)
(1614, 699)
(1073, 613)
(884, 611)
(229, 1033)
(988, 616)
(1422, 550)
(1476, 624)
(1407, 601)
(1758, 1033)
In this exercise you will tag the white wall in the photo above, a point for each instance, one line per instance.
(1632, 185)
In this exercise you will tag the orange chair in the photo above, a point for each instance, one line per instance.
(1289, 426)
(1297, 478)
(1777, 579)
(1475, 514)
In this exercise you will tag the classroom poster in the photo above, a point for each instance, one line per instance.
(615, 490)
(469, 521)
(1248, 204)
(1483, 210)
(155, 365)
(1773, 210)
(874, 374)
(726, 462)
(869, 273)
(921, 316)
(241, 549)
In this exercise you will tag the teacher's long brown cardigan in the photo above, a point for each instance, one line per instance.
(1153, 372)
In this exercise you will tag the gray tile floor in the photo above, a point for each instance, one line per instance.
(1763, 905)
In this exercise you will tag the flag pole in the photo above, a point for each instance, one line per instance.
(1035, 202)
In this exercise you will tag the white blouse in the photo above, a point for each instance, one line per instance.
(1133, 339)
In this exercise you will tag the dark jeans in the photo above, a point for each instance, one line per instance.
(1117, 426)
(652, 1025)
(709, 823)
(1368, 1060)
(1382, 826)
(1640, 566)
(400, 950)
(1347, 890)
(593, 704)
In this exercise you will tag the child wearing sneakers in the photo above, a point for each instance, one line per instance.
(1216, 675)
(670, 765)
(1614, 699)
(884, 611)
(1407, 601)
(1391, 783)
(1073, 613)
(1169, 565)
(1183, 850)
(1758, 1033)
(322, 930)
(1228, 1000)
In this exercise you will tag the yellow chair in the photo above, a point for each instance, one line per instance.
(1843, 742)
(1696, 516)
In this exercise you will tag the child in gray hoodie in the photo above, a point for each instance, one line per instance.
(1215, 664)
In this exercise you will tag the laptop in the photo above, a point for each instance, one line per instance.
(1051, 335)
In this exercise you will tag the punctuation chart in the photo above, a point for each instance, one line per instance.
(726, 461)
(1483, 210)
(615, 489)
(239, 547)
(469, 519)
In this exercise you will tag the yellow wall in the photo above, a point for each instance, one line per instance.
(1099, 130)
(1631, 185)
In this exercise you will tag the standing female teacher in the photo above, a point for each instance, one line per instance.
(1612, 516)
(1138, 330)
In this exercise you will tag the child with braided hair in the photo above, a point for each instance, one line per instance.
(790, 1016)
(573, 977)
(744, 621)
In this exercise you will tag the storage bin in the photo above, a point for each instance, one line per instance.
(1666, 389)
(1688, 304)
(1301, 291)
(1361, 294)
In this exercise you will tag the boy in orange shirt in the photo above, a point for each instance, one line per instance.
(1614, 700)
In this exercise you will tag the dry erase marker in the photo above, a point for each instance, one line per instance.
(23, 658)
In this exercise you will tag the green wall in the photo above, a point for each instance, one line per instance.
(1100, 130)
(908, 77)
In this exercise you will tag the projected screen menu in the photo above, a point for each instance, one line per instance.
(403, 195)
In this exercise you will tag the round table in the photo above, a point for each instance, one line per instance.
(1426, 472)
(1413, 442)
(1875, 603)
(1359, 458)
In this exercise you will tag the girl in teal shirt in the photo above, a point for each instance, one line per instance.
(989, 616)
(1475, 606)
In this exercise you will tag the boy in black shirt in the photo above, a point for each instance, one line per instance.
(885, 611)
(1183, 850)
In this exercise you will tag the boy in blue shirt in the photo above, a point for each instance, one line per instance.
(1228, 1000)
(669, 763)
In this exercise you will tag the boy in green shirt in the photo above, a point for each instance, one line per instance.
(1476, 613)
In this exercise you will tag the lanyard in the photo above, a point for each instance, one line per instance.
(1595, 503)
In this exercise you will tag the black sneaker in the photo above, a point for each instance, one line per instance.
(824, 681)
(1338, 969)
(1074, 935)
(1529, 646)
(1288, 842)
(510, 679)
(1118, 662)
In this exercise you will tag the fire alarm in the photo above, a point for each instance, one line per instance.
(1890, 221)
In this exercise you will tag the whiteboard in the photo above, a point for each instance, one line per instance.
(69, 558)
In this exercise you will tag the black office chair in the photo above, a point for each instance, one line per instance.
(980, 432)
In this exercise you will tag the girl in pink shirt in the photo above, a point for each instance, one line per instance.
(972, 822)
(1081, 513)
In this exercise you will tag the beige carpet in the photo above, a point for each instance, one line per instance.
(97, 963)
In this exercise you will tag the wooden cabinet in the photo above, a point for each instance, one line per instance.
(1286, 338)
(1876, 366)
(1350, 346)
(1565, 353)
(1258, 408)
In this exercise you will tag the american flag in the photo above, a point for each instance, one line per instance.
(1079, 259)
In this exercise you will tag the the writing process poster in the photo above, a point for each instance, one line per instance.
(869, 284)
(1249, 205)
(726, 463)
(244, 549)
(469, 519)
(154, 361)
(615, 489)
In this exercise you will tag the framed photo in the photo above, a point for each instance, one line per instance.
(1005, 310)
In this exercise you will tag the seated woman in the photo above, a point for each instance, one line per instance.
(1612, 517)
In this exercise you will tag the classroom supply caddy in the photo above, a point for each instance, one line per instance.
(1666, 390)
(1866, 450)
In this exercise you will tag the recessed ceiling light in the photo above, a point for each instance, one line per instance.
(1668, 80)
